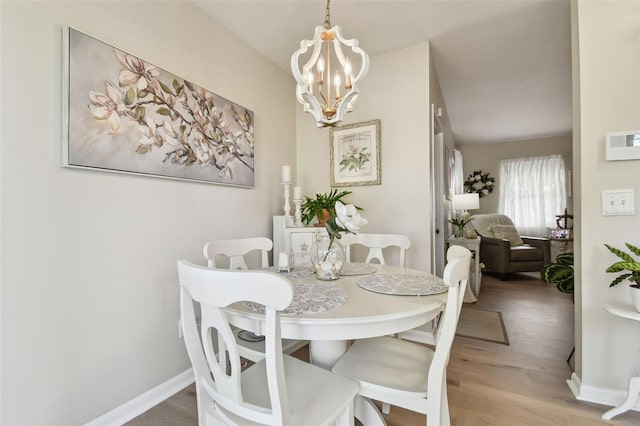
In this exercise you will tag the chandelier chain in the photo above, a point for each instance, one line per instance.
(327, 19)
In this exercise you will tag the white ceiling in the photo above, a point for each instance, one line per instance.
(504, 65)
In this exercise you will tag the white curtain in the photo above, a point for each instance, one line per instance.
(533, 192)
(457, 174)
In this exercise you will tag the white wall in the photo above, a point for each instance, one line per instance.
(396, 91)
(608, 100)
(89, 286)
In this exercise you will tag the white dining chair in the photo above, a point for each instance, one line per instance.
(376, 243)
(427, 332)
(251, 346)
(280, 389)
(406, 374)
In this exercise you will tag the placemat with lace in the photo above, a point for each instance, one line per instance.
(311, 298)
(357, 269)
(403, 284)
(296, 272)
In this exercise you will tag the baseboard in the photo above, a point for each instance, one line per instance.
(138, 405)
(604, 396)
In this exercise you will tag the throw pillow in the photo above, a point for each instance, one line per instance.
(508, 232)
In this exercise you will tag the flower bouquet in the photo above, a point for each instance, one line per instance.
(460, 221)
(327, 254)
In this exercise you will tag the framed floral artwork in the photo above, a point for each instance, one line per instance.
(355, 154)
(124, 114)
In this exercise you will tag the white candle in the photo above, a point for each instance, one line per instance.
(297, 193)
(286, 174)
(283, 261)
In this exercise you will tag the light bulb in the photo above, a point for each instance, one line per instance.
(320, 65)
(347, 67)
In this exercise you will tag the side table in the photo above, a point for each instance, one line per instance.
(624, 311)
(473, 245)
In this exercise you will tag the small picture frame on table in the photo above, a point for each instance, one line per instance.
(355, 154)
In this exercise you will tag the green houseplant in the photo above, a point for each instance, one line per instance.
(322, 206)
(628, 264)
(560, 273)
(630, 269)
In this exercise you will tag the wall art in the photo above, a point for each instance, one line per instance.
(355, 154)
(123, 114)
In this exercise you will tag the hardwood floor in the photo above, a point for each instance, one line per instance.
(489, 384)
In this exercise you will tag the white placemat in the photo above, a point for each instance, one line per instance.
(296, 272)
(357, 269)
(403, 284)
(309, 299)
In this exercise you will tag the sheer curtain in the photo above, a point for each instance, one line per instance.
(457, 174)
(533, 192)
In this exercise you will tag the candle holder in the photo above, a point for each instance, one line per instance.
(288, 220)
(298, 213)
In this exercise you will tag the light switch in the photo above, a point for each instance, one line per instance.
(618, 203)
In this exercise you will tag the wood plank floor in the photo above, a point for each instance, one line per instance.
(489, 384)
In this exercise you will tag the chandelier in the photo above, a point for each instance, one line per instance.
(328, 100)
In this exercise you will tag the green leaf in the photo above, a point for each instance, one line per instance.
(165, 88)
(565, 259)
(163, 111)
(556, 273)
(622, 255)
(140, 112)
(143, 149)
(176, 84)
(619, 279)
(624, 266)
(635, 250)
(130, 96)
(566, 286)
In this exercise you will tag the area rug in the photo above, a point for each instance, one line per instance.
(482, 325)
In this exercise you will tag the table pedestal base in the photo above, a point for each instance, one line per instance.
(325, 353)
(632, 396)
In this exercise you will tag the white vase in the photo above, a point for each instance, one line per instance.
(635, 297)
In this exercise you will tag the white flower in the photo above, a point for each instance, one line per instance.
(347, 217)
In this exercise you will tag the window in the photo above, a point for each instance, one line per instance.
(533, 192)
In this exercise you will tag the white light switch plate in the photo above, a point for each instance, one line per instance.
(618, 202)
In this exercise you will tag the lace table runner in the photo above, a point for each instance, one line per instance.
(309, 299)
(296, 272)
(403, 284)
(357, 269)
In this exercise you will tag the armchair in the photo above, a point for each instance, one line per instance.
(503, 251)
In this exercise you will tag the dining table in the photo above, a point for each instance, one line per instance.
(368, 300)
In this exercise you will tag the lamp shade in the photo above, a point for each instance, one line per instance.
(465, 201)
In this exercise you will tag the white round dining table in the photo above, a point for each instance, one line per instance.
(364, 314)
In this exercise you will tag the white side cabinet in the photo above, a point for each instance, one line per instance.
(299, 240)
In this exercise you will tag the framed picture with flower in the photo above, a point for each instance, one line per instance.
(355, 154)
(124, 114)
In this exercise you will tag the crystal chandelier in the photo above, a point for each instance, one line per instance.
(328, 100)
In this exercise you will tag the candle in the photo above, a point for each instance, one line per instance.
(286, 174)
(283, 261)
(297, 193)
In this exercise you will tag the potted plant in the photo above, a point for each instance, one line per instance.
(322, 206)
(630, 269)
(560, 273)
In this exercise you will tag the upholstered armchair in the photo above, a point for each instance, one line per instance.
(503, 251)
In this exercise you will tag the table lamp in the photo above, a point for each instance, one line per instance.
(465, 202)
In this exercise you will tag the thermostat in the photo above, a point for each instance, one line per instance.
(623, 145)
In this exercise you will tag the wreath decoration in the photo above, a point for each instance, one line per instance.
(480, 183)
